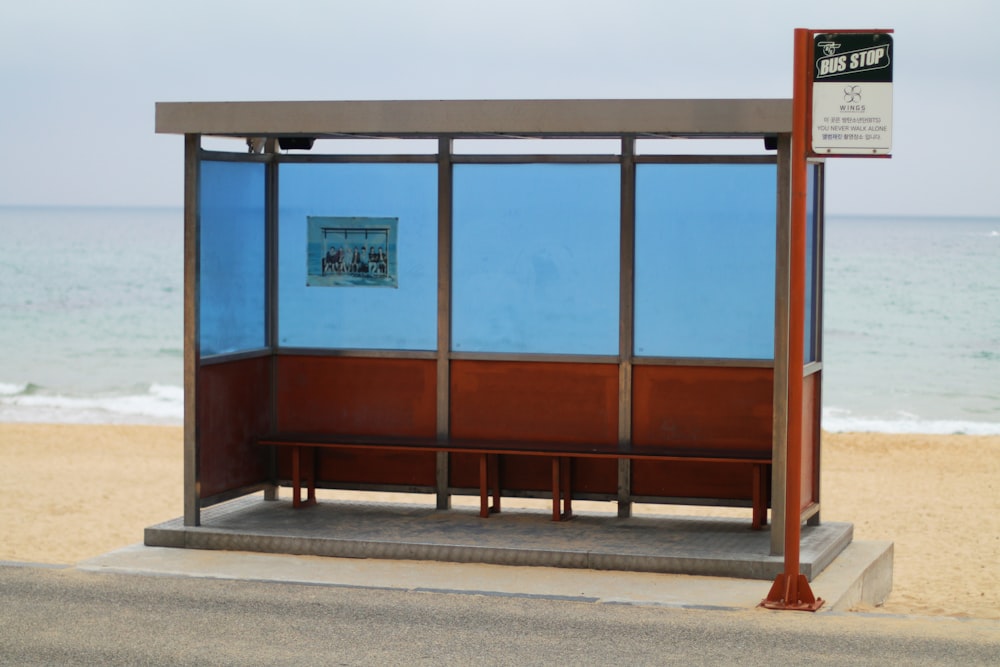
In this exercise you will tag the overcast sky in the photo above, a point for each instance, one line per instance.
(79, 78)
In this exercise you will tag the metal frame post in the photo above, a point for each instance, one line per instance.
(779, 426)
(192, 351)
(444, 201)
(271, 491)
(819, 211)
(626, 308)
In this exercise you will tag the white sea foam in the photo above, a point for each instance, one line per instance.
(838, 420)
(158, 404)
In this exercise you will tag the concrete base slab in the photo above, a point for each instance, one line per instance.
(860, 575)
(700, 546)
(838, 585)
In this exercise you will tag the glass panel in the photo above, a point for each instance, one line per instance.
(232, 264)
(535, 258)
(705, 253)
(368, 316)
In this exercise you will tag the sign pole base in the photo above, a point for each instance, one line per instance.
(791, 594)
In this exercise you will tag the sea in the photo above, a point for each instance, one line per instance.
(91, 320)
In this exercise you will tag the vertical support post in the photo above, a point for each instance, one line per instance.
(779, 425)
(791, 589)
(625, 322)
(271, 305)
(192, 352)
(444, 202)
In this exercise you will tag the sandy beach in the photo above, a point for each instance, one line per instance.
(72, 492)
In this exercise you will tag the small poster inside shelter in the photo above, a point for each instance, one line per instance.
(351, 252)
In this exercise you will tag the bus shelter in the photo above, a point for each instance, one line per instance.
(441, 290)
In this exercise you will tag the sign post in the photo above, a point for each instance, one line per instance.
(840, 107)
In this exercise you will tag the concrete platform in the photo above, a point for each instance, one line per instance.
(726, 562)
(598, 541)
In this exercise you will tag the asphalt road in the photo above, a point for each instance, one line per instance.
(69, 617)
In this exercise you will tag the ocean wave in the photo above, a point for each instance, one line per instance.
(149, 404)
(24, 389)
(838, 420)
(8, 389)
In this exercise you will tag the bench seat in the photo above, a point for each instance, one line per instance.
(489, 452)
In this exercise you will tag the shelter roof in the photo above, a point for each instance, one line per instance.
(480, 118)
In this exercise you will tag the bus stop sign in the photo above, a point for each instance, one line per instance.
(852, 94)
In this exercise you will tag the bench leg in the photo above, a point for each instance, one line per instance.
(562, 491)
(759, 498)
(297, 479)
(489, 471)
(567, 485)
(494, 463)
(484, 487)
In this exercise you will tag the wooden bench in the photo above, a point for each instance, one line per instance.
(489, 453)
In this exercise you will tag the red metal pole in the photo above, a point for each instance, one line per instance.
(790, 589)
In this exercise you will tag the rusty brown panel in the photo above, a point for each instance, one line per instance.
(356, 466)
(406, 468)
(535, 401)
(595, 476)
(810, 443)
(517, 473)
(704, 407)
(526, 473)
(535, 473)
(463, 470)
(233, 410)
(357, 396)
(692, 479)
